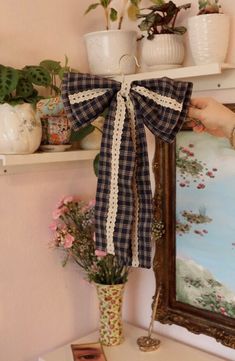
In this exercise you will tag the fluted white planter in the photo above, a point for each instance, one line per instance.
(162, 52)
(111, 52)
(209, 38)
(20, 129)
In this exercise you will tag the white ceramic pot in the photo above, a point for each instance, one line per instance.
(93, 140)
(208, 38)
(164, 51)
(111, 52)
(20, 129)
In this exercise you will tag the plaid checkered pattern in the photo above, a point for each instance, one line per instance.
(162, 121)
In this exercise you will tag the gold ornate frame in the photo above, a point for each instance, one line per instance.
(169, 310)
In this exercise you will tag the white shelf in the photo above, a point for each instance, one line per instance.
(14, 163)
(204, 77)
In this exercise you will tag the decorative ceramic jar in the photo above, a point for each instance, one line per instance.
(164, 51)
(208, 38)
(106, 52)
(110, 305)
(20, 129)
(56, 127)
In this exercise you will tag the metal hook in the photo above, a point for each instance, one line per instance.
(130, 56)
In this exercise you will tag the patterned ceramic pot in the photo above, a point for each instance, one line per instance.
(56, 130)
(20, 129)
(110, 305)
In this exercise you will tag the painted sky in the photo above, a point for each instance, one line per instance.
(214, 250)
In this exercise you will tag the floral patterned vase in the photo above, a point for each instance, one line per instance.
(110, 305)
(56, 127)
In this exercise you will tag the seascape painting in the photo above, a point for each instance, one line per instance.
(205, 223)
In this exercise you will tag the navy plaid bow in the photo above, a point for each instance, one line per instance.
(124, 198)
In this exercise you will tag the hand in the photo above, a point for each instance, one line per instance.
(213, 117)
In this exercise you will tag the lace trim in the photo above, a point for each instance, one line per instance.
(159, 99)
(113, 196)
(85, 95)
(134, 235)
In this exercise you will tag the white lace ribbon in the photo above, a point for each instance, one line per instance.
(113, 196)
(162, 100)
(85, 95)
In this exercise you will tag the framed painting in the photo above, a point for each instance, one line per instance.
(194, 206)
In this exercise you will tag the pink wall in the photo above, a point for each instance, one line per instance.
(42, 305)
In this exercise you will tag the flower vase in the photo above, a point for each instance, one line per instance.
(110, 306)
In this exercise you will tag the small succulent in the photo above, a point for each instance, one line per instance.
(111, 14)
(208, 7)
(161, 18)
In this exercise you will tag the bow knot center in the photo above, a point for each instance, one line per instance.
(125, 89)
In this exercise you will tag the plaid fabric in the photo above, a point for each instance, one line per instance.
(162, 121)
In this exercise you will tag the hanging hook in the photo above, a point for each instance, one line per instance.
(120, 60)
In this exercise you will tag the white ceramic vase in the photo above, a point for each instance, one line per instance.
(111, 52)
(93, 140)
(20, 129)
(208, 38)
(164, 51)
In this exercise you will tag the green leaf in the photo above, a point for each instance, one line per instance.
(80, 134)
(113, 14)
(133, 12)
(96, 164)
(38, 75)
(135, 2)
(8, 80)
(24, 88)
(105, 3)
(51, 65)
(158, 2)
(91, 7)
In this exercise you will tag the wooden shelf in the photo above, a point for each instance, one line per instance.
(14, 163)
(204, 77)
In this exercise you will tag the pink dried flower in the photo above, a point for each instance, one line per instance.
(100, 253)
(58, 212)
(53, 226)
(68, 242)
(68, 199)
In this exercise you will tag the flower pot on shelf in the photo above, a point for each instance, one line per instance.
(209, 38)
(56, 127)
(20, 129)
(110, 306)
(106, 50)
(164, 51)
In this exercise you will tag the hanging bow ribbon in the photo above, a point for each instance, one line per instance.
(124, 199)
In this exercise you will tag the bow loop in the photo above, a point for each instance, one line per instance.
(86, 97)
(163, 104)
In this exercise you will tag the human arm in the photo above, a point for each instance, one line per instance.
(215, 117)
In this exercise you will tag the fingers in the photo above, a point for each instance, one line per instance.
(200, 103)
(195, 113)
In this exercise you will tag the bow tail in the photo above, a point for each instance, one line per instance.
(114, 200)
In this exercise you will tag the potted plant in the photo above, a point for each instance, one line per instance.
(73, 230)
(208, 33)
(163, 47)
(103, 57)
(20, 127)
